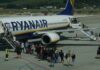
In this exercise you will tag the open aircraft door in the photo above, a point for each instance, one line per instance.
(2, 29)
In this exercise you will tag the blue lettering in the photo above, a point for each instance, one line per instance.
(37, 24)
(45, 23)
(41, 23)
(14, 26)
(20, 24)
(32, 25)
(26, 25)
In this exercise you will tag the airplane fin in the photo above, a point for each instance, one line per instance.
(68, 8)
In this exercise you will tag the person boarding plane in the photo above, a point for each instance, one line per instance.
(44, 28)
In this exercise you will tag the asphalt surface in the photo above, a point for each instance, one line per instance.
(84, 49)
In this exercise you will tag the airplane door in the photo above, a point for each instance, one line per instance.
(1, 28)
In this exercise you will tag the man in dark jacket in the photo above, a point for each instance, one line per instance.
(61, 53)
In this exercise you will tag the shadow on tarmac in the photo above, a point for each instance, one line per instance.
(60, 45)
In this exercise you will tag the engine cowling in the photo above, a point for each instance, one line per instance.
(49, 38)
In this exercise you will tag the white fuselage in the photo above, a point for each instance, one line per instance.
(24, 24)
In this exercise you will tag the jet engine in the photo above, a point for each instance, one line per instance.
(49, 38)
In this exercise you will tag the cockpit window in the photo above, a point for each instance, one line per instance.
(74, 20)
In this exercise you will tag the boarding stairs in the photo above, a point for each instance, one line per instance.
(6, 44)
(88, 33)
(6, 40)
(85, 30)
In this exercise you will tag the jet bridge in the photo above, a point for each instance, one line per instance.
(6, 40)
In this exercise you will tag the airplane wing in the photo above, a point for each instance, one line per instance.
(36, 35)
(85, 31)
(40, 32)
(67, 30)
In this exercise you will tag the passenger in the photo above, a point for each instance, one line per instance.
(18, 50)
(56, 56)
(98, 52)
(73, 58)
(99, 34)
(41, 52)
(33, 49)
(49, 54)
(92, 33)
(44, 53)
(29, 49)
(26, 46)
(75, 20)
(37, 49)
(68, 58)
(61, 53)
(52, 55)
(83, 26)
(22, 47)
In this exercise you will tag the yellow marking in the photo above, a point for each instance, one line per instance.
(28, 31)
(72, 2)
(35, 30)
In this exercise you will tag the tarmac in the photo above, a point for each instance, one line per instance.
(83, 47)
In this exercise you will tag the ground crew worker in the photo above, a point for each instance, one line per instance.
(6, 54)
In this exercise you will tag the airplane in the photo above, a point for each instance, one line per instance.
(45, 28)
